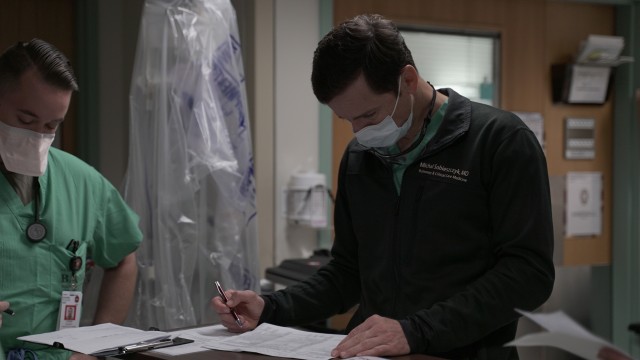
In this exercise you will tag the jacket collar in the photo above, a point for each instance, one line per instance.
(456, 122)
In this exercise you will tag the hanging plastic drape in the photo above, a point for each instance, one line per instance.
(190, 175)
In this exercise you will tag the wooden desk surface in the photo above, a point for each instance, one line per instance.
(228, 355)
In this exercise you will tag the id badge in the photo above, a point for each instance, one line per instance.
(70, 310)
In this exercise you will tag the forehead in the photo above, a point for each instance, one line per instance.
(356, 99)
(34, 94)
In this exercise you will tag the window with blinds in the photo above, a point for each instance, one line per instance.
(466, 62)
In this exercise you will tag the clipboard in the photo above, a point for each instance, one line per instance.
(105, 340)
(142, 346)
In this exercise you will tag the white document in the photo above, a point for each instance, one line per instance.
(589, 84)
(280, 341)
(584, 204)
(563, 333)
(95, 339)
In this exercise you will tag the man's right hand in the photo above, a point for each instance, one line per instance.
(3, 306)
(247, 305)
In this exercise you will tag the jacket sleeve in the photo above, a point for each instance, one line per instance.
(522, 275)
(334, 289)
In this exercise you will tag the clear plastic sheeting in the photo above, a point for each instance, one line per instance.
(190, 175)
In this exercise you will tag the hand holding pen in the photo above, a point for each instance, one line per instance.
(225, 300)
(245, 305)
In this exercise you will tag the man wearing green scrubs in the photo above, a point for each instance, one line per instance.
(56, 212)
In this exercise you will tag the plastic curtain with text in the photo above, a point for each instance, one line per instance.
(190, 174)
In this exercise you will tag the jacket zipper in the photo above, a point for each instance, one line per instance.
(396, 255)
(394, 233)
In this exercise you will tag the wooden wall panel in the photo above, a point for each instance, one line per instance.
(49, 20)
(523, 67)
(534, 34)
(567, 25)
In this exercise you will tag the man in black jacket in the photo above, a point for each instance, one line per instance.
(442, 219)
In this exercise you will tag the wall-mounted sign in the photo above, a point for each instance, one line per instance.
(584, 204)
(579, 139)
(589, 84)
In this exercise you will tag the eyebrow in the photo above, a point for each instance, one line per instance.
(32, 114)
(366, 112)
(27, 112)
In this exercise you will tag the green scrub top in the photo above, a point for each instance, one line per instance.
(401, 164)
(76, 203)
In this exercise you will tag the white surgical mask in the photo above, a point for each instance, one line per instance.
(24, 151)
(386, 132)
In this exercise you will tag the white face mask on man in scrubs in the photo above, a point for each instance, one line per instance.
(30, 112)
(24, 151)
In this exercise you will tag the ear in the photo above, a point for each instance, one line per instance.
(410, 78)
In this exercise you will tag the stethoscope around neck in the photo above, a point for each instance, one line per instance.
(36, 231)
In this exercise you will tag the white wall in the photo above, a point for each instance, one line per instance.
(296, 114)
(262, 123)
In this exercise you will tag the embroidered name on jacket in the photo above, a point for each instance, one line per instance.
(443, 171)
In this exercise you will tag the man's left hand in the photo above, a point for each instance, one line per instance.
(377, 336)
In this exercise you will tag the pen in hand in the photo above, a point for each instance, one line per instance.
(224, 298)
(10, 312)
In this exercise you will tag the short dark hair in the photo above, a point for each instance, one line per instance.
(368, 44)
(54, 67)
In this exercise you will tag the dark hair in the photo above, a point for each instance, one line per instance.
(368, 44)
(54, 67)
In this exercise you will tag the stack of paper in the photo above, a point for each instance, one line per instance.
(602, 50)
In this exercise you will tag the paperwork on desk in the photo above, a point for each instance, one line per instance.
(95, 339)
(266, 339)
(564, 333)
(281, 341)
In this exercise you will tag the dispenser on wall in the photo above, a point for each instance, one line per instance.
(306, 200)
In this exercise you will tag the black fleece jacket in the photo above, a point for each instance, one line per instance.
(468, 239)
